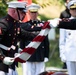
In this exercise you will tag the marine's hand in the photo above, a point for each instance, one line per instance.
(45, 59)
(63, 58)
(54, 22)
(8, 60)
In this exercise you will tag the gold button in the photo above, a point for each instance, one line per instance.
(14, 20)
(34, 24)
(1, 56)
(12, 42)
(9, 34)
(15, 29)
(42, 46)
(18, 32)
(7, 19)
(13, 38)
(15, 34)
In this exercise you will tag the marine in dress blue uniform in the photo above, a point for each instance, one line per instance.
(35, 64)
(10, 33)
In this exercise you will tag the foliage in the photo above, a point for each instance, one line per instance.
(45, 3)
(3, 7)
(43, 17)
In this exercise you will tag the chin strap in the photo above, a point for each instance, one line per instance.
(18, 14)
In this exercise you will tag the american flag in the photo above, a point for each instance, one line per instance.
(26, 53)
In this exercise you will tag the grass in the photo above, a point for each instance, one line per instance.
(19, 69)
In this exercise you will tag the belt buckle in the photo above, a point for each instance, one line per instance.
(13, 47)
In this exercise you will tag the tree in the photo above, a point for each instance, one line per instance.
(45, 3)
(3, 7)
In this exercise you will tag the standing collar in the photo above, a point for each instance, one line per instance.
(11, 19)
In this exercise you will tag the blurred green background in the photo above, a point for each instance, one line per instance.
(49, 9)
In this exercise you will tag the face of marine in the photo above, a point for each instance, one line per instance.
(73, 12)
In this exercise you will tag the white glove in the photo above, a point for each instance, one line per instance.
(8, 60)
(63, 58)
(45, 59)
(54, 22)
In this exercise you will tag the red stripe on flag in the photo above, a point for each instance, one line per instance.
(29, 50)
(39, 38)
(46, 25)
(19, 60)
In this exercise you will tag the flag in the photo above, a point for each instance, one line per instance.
(32, 46)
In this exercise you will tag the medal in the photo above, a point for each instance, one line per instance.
(18, 30)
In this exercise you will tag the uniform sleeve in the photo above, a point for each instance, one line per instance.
(27, 35)
(68, 24)
(28, 27)
(62, 40)
(3, 29)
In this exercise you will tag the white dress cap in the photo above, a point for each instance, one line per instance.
(33, 7)
(72, 4)
(17, 4)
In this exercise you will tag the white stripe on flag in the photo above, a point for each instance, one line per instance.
(23, 56)
(33, 45)
(44, 32)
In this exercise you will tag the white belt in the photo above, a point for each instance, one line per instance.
(4, 47)
(8, 48)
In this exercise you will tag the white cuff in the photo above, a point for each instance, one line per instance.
(54, 23)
